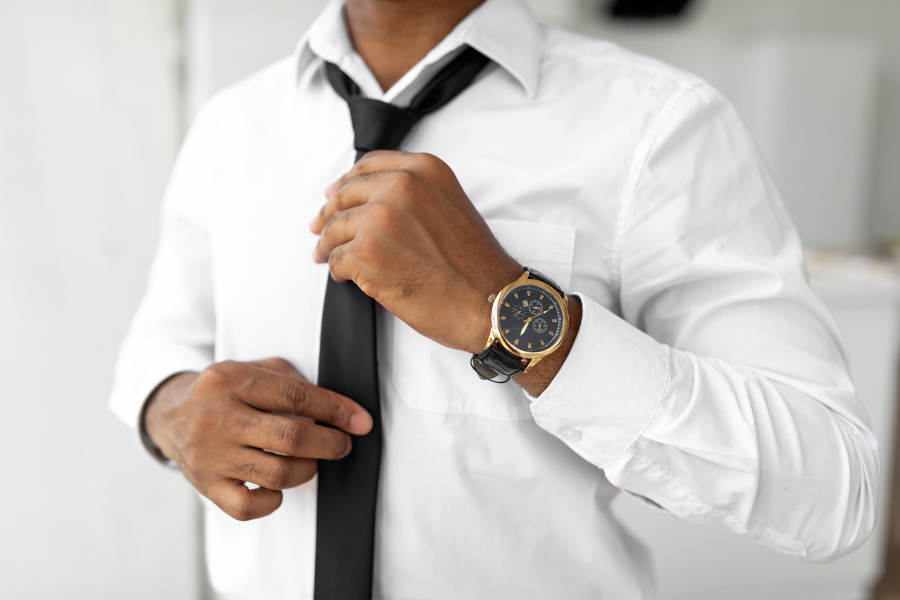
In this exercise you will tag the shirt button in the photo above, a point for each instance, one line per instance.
(570, 435)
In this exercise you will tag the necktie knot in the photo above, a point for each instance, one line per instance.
(378, 125)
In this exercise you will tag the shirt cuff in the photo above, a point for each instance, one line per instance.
(130, 394)
(608, 389)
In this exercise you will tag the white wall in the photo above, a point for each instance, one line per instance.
(230, 39)
(88, 132)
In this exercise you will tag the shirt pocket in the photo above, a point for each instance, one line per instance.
(544, 247)
(430, 377)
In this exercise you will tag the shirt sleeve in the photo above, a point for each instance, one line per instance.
(173, 330)
(722, 393)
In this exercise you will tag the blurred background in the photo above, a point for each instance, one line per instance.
(95, 96)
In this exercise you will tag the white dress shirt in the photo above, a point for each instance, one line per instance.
(706, 377)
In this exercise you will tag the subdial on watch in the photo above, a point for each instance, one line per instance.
(536, 307)
(539, 325)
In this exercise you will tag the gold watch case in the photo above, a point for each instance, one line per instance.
(497, 336)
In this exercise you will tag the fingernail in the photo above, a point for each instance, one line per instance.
(361, 423)
(330, 189)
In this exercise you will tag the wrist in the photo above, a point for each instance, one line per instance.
(480, 305)
(157, 413)
(537, 380)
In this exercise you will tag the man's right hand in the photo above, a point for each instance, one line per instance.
(218, 424)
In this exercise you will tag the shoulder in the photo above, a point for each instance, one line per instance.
(248, 102)
(577, 63)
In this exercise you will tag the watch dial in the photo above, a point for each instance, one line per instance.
(530, 318)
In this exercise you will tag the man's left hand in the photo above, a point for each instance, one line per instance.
(401, 227)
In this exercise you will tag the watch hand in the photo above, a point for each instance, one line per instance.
(529, 319)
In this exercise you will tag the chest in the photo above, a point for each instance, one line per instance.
(549, 190)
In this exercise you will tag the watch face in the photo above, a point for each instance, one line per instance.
(530, 318)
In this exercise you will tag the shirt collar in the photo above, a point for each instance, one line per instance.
(503, 30)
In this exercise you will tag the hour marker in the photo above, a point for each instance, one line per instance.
(516, 342)
(551, 333)
(503, 318)
(529, 345)
(542, 296)
(507, 304)
(506, 331)
(554, 320)
(525, 302)
(516, 295)
(529, 293)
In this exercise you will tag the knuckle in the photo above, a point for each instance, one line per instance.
(337, 202)
(297, 394)
(336, 257)
(429, 164)
(276, 475)
(403, 179)
(365, 162)
(278, 364)
(338, 217)
(410, 187)
(282, 362)
(290, 436)
(428, 160)
(338, 414)
(217, 375)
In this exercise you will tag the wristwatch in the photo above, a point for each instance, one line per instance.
(529, 320)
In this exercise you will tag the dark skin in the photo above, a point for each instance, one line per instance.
(216, 424)
(392, 36)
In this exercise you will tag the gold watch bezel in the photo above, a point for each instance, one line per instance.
(497, 335)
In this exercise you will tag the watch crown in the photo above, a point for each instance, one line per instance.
(491, 298)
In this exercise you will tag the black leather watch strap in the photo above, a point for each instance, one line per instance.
(541, 277)
(497, 366)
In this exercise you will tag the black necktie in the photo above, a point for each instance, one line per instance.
(345, 538)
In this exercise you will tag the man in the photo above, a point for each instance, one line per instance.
(696, 370)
